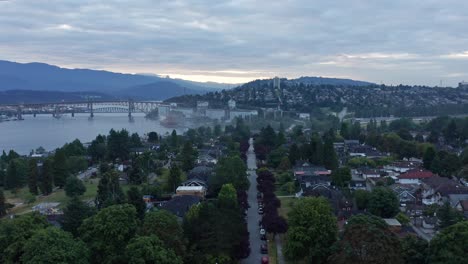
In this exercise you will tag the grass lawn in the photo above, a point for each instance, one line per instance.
(57, 196)
(286, 205)
(272, 254)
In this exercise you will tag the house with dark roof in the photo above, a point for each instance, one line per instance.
(436, 189)
(406, 193)
(179, 205)
(202, 173)
(342, 206)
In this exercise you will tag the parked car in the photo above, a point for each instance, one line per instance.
(262, 231)
(264, 260)
(260, 210)
(259, 195)
(263, 237)
(264, 249)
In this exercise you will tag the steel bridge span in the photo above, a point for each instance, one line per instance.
(91, 107)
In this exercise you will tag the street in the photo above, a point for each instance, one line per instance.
(252, 214)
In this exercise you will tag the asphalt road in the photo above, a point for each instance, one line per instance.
(252, 214)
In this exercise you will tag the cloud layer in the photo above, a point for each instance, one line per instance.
(399, 41)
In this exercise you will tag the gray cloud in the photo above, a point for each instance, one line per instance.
(399, 41)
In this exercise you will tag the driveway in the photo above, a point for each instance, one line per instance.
(252, 213)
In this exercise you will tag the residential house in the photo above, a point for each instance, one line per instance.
(342, 206)
(406, 193)
(393, 224)
(436, 189)
(358, 182)
(179, 205)
(414, 176)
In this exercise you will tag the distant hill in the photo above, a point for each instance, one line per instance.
(45, 77)
(29, 97)
(329, 81)
(156, 91)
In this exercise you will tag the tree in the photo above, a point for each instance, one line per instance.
(174, 139)
(428, 157)
(294, 154)
(108, 232)
(419, 138)
(227, 196)
(367, 239)
(448, 216)
(60, 170)
(149, 249)
(75, 212)
(153, 137)
(229, 170)
(16, 174)
(165, 226)
(383, 202)
(451, 132)
(344, 130)
(97, 150)
(3, 205)
(188, 159)
(109, 191)
(14, 234)
(118, 144)
(32, 181)
(362, 199)
(312, 230)
(341, 177)
(449, 246)
(402, 218)
(330, 160)
(174, 178)
(74, 187)
(135, 174)
(285, 164)
(135, 198)
(52, 245)
(135, 141)
(47, 177)
(414, 250)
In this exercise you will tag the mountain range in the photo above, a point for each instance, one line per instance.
(40, 82)
(29, 77)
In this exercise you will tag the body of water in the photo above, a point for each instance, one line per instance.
(50, 133)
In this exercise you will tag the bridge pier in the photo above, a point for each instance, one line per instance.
(90, 107)
(131, 107)
(34, 114)
(19, 113)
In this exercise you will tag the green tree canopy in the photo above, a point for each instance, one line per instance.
(108, 232)
(109, 191)
(165, 226)
(135, 198)
(75, 212)
(341, 177)
(32, 179)
(52, 245)
(15, 232)
(449, 246)
(60, 169)
(150, 250)
(383, 202)
(74, 187)
(414, 250)
(367, 239)
(312, 230)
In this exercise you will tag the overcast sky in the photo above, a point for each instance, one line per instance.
(399, 41)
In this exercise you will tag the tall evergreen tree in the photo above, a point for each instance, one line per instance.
(330, 160)
(12, 180)
(60, 170)
(188, 158)
(32, 182)
(294, 154)
(75, 212)
(3, 206)
(174, 178)
(109, 191)
(174, 139)
(135, 198)
(47, 180)
(428, 157)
